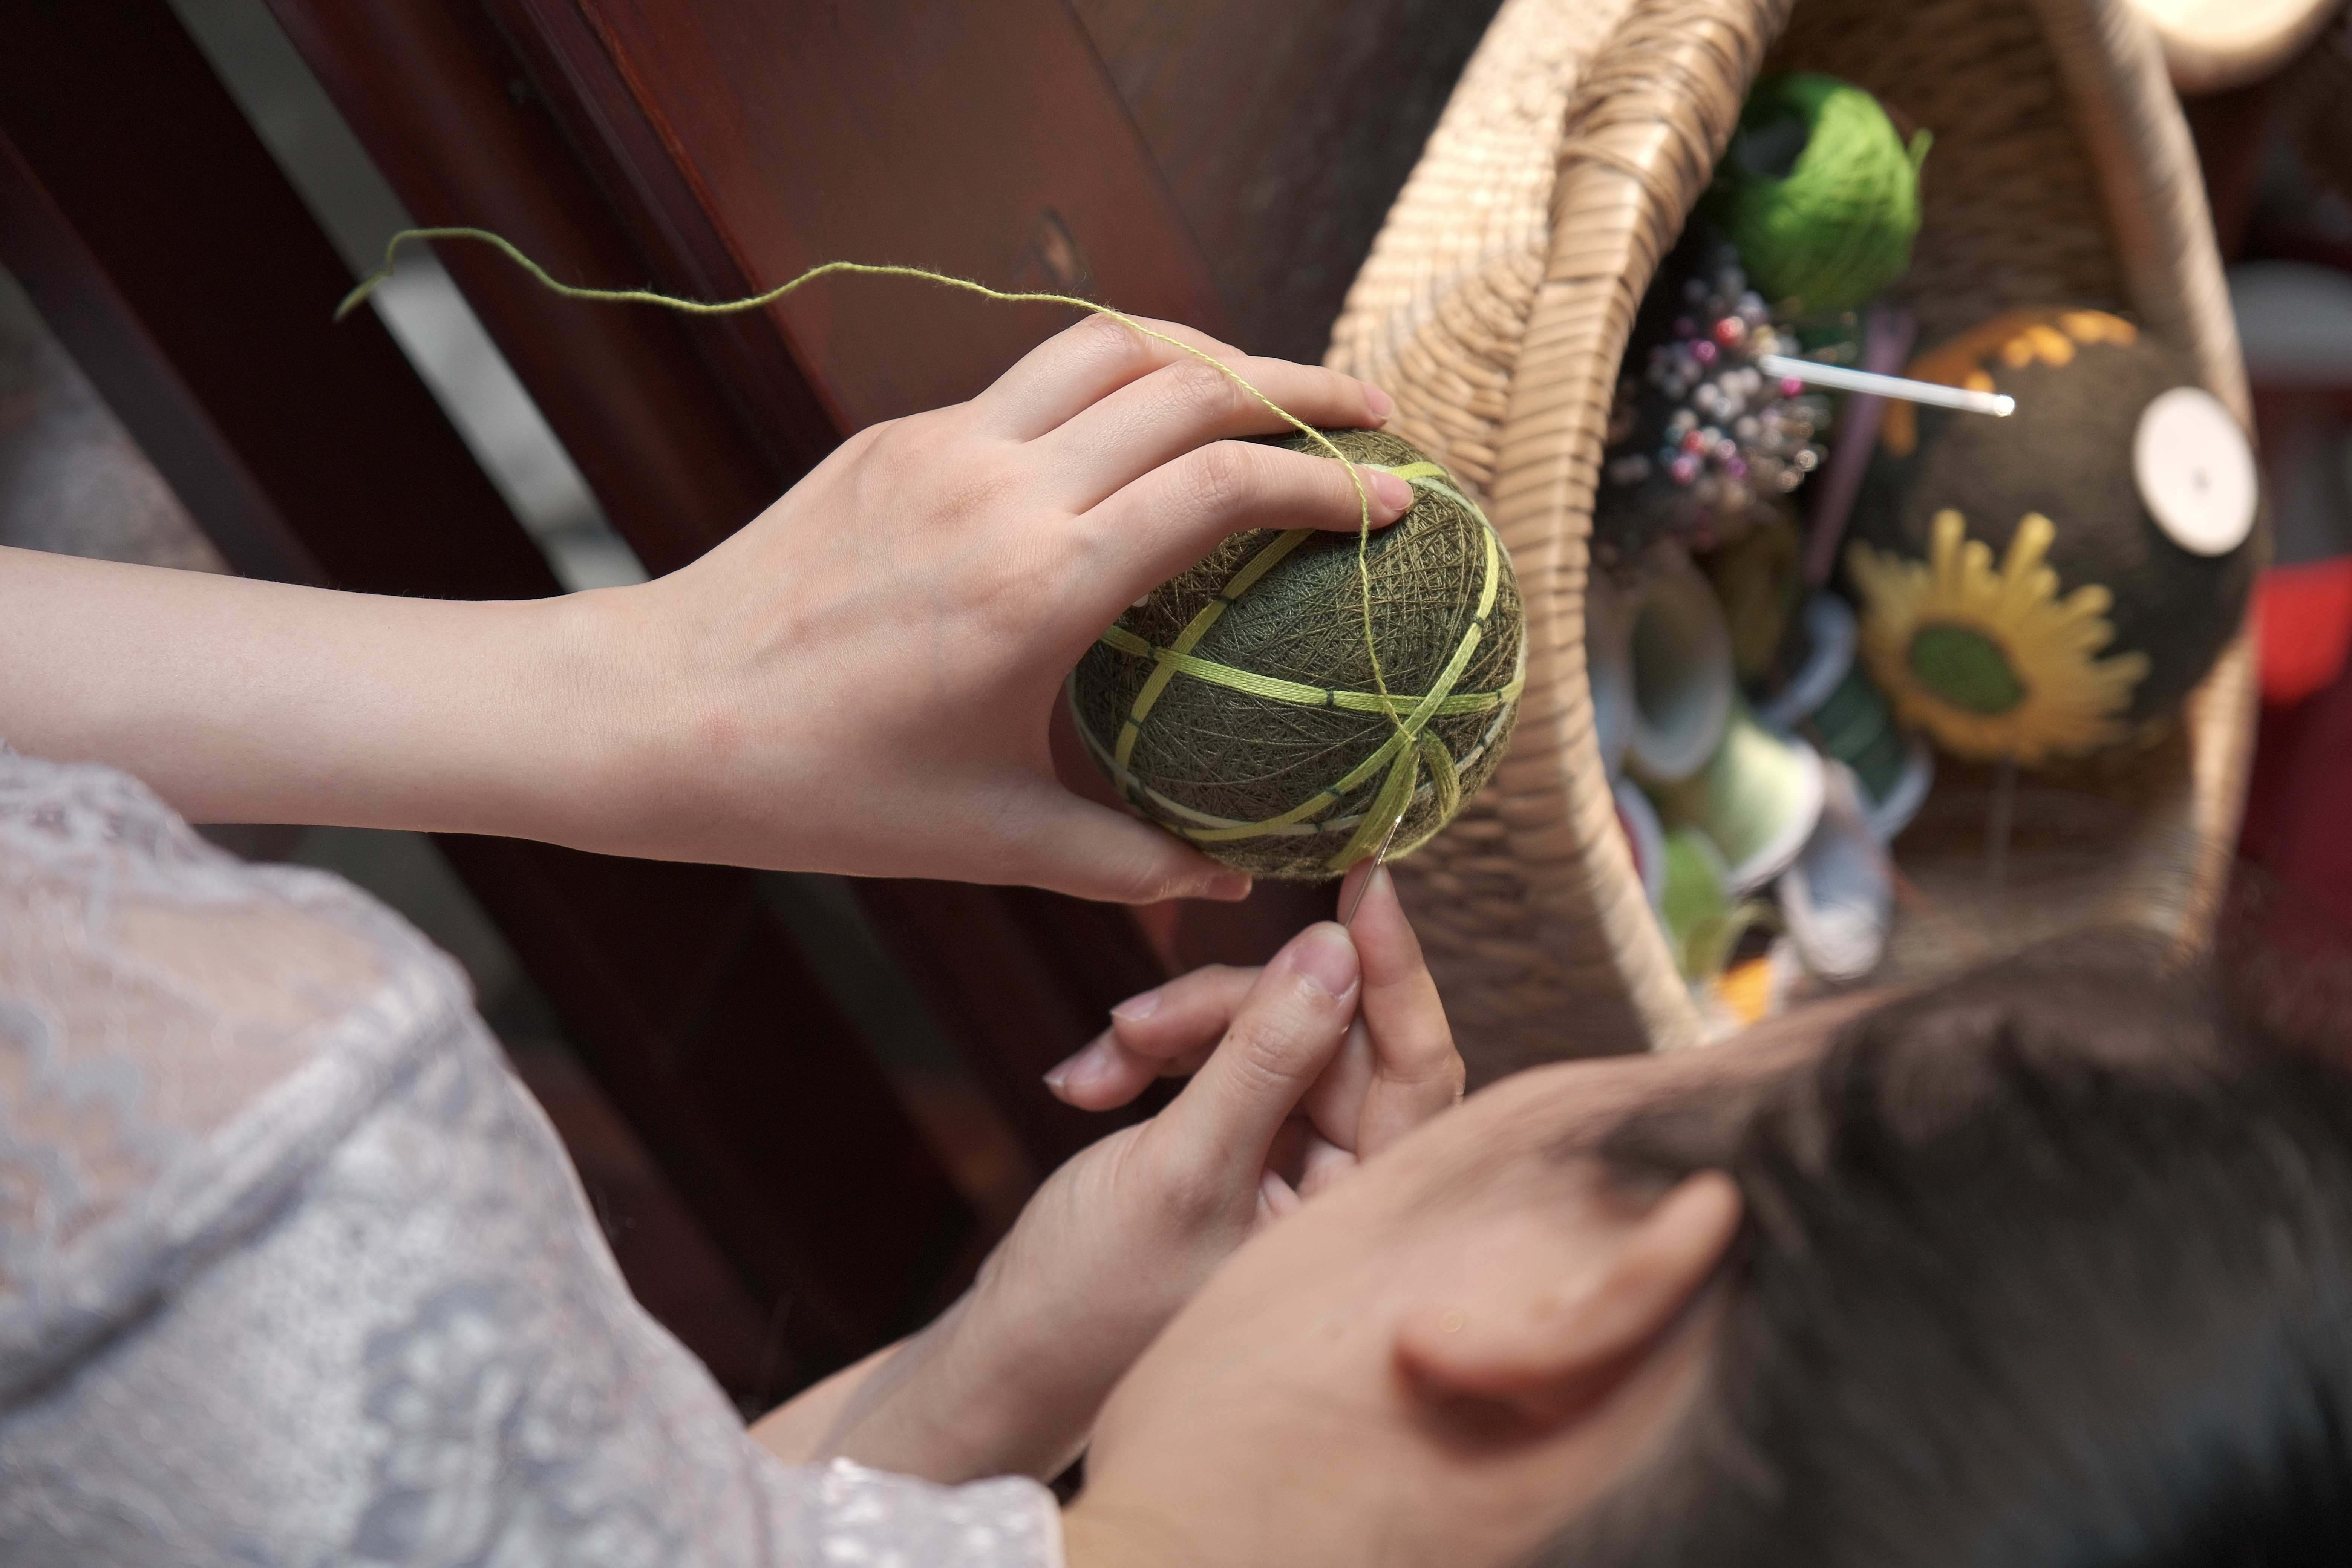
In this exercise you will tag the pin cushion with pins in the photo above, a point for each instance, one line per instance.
(1703, 442)
(1293, 699)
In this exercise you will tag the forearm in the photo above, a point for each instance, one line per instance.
(796, 1431)
(971, 1396)
(248, 701)
(960, 1401)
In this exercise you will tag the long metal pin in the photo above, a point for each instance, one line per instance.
(1380, 858)
(2001, 406)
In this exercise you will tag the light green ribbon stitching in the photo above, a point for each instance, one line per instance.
(1404, 752)
(1136, 789)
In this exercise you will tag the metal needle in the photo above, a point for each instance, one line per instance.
(1380, 857)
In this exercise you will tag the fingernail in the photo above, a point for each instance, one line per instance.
(1230, 886)
(1137, 1008)
(1379, 401)
(1324, 954)
(1081, 1070)
(1394, 493)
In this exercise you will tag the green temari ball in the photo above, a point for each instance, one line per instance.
(1237, 706)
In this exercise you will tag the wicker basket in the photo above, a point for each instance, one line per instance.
(1496, 305)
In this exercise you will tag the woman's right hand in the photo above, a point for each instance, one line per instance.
(1331, 1052)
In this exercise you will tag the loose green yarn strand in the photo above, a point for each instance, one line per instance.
(368, 285)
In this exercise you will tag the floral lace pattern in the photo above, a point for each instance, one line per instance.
(293, 1271)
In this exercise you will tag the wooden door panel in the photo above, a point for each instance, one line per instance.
(1285, 132)
(448, 113)
(759, 140)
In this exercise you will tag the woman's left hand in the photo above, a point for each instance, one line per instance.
(859, 681)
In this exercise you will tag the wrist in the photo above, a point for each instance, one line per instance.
(632, 724)
(987, 1389)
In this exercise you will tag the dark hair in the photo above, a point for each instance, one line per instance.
(2052, 1265)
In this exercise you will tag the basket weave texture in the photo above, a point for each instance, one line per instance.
(1496, 305)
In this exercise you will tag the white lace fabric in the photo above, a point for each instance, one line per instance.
(292, 1270)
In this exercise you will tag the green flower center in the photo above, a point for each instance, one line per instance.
(1966, 668)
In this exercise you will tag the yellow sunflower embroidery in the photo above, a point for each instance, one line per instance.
(1993, 664)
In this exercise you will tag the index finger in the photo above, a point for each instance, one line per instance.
(1078, 367)
(1168, 1029)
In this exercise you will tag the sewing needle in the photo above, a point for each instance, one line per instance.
(1380, 858)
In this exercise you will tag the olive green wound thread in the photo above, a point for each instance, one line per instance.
(1258, 566)
(1381, 778)
(368, 285)
(1402, 784)
(1192, 819)
(1281, 690)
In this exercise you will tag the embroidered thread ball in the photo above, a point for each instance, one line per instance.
(2053, 583)
(1240, 707)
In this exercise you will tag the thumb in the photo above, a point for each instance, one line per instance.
(1092, 851)
(1287, 1031)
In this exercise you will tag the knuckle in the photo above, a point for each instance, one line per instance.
(1435, 1063)
(1190, 1183)
(1226, 475)
(1197, 391)
(1100, 336)
(1140, 876)
(1344, 391)
(1280, 1048)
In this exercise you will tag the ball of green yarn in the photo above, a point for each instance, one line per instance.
(1819, 194)
(1239, 706)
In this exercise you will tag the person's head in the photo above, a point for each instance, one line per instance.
(2052, 1265)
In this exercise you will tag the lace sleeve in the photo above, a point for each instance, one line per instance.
(293, 1271)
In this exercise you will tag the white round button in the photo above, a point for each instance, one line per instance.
(2196, 471)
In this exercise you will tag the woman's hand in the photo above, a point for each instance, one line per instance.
(1333, 1051)
(860, 680)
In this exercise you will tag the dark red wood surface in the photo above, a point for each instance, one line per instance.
(1285, 132)
(156, 267)
(690, 1005)
(167, 251)
(758, 141)
(449, 115)
(38, 245)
